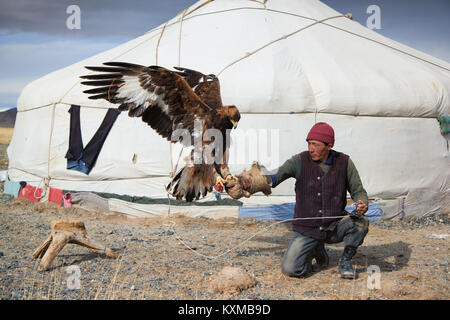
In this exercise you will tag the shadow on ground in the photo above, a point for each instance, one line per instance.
(388, 257)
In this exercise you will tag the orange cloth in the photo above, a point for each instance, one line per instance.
(55, 196)
(28, 193)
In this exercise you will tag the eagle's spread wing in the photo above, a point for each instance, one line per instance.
(207, 87)
(162, 98)
(168, 100)
(192, 77)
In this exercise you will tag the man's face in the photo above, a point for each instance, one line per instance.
(318, 150)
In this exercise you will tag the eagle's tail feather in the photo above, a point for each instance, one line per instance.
(191, 183)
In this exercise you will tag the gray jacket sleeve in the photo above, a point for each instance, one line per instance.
(356, 189)
(289, 169)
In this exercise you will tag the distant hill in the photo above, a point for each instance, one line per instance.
(8, 118)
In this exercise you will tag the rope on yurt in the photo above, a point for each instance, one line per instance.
(179, 36)
(248, 54)
(171, 225)
(246, 8)
(263, 2)
(157, 43)
(172, 169)
(46, 180)
(199, 6)
(45, 189)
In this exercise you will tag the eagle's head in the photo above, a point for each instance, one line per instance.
(233, 115)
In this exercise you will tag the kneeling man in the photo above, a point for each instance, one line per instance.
(323, 177)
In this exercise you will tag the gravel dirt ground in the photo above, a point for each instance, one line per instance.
(155, 262)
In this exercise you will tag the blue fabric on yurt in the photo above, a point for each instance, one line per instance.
(285, 211)
(11, 187)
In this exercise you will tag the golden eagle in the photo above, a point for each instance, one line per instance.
(170, 102)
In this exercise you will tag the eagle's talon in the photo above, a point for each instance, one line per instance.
(220, 181)
(231, 177)
(219, 186)
(230, 181)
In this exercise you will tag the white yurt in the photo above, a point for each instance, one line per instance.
(286, 64)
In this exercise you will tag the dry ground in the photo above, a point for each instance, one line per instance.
(155, 263)
(5, 135)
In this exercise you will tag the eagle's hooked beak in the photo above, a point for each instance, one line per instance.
(235, 123)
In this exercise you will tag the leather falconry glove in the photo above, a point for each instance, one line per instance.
(249, 182)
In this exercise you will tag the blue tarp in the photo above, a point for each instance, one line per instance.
(285, 211)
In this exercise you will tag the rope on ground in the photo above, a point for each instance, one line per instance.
(173, 224)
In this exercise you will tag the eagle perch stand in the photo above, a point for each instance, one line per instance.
(63, 232)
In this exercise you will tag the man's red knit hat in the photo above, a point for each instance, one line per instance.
(323, 132)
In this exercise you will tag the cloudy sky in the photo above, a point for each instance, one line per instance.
(35, 39)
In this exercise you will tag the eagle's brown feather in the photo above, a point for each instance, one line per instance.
(206, 87)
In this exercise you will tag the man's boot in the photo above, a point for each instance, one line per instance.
(321, 256)
(346, 270)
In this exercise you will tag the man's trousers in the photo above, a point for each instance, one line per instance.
(297, 260)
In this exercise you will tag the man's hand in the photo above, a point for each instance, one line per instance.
(361, 207)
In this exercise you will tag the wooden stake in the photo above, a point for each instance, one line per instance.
(63, 232)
